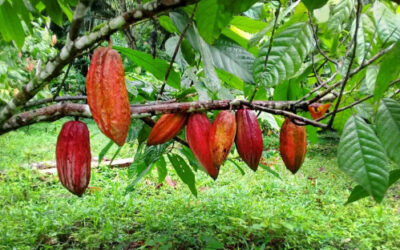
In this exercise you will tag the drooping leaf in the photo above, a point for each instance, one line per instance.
(340, 14)
(230, 79)
(387, 23)
(161, 169)
(359, 192)
(167, 24)
(104, 151)
(289, 49)
(368, 84)
(388, 72)
(157, 67)
(362, 157)
(184, 172)
(388, 128)
(268, 169)
(190, 157)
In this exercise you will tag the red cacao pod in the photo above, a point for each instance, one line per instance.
(318, 110)
(107, 95)
(73, 157)
(197, 135)
(222, 135)
(293, 145)
(249, 142)
(166, 128)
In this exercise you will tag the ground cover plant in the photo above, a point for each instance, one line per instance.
(255, 210)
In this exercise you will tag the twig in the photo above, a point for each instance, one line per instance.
(178, 45)
(62, 82)
(54, 99)
(316, 89)
(358, 15)
(269, 46)
(395, 93)
(314, 31)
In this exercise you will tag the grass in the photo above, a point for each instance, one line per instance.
(254, 211)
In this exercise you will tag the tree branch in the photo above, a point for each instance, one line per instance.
(71, 49)
(60, 110)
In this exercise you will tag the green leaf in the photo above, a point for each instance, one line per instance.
(314, 4)
(161, 169)
(104, 151)
(362, 157)
(184, 172)
(190, 157)
(269, 170)
(237, 166)
(66, 9)
(388, 128)
(225, 54)
(115, 155)
(340, 14)
(156, 66)
(134, 130)
(368, 84)
(54, 11)
(230, 79)
(10, 25)
(359, 192)
(289, 49)
(247, 24)
(167, 24)
(387, 23)
(389, 71)
(214, 15)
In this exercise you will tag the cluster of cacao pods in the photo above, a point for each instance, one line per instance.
(211, 143)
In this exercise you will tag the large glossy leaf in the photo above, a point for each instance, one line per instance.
(289, 49)
(161, 169)
(184, 172)
(388, 128)
(387, 23)
(359, 192)
(368, 84)
(247, 24)
(388, 71)
(362, 157)
(340, 15)
(213, 15)
(156, 66)
(225, 55)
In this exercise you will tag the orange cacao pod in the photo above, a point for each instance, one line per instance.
(107, 95)
(73, 157)
(318, 110)
(249, 142)
(222, 135)
(197, 135)
(166, 128)
(293, 145)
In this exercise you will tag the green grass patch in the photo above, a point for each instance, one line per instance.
(256, 210)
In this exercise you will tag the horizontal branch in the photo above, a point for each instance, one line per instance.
(60, 110)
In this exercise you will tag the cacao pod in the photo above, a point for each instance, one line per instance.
(222, 135)
(318, 110)
(107, 95)
(166, 128)
(249, 142)
(197, 135)
(73, 157)
(293, 145)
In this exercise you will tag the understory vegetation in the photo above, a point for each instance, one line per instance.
(255, 210)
